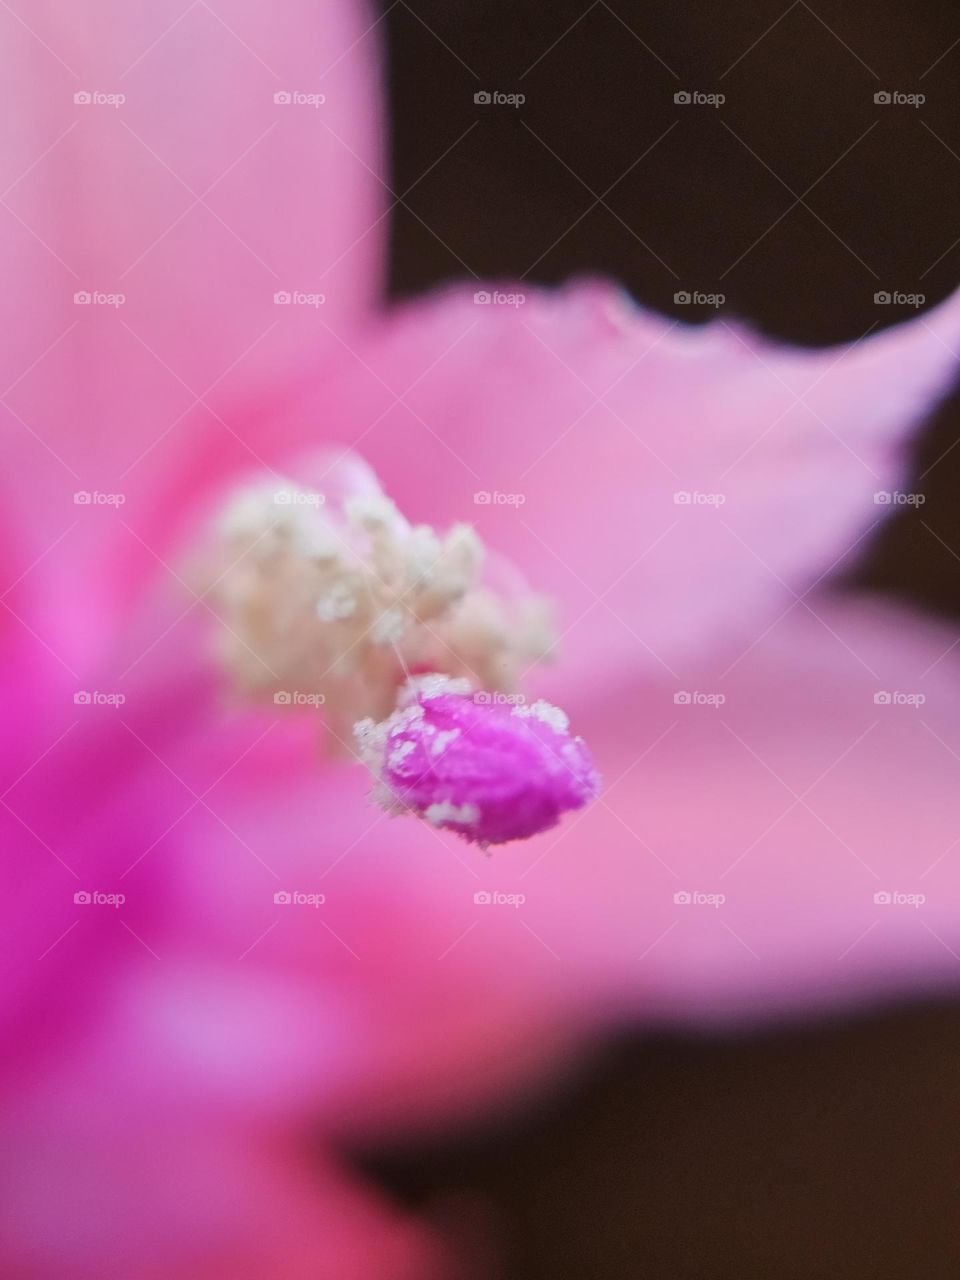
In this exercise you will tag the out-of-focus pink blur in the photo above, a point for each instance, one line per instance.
(220, 961)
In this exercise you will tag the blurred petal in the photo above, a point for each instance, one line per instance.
(809, 780)
(669, 484)
(96, 1199)
(84, 796)
(730, 869)
(308, 946)
(142, 244)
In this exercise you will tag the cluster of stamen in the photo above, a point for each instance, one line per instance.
(331, 599)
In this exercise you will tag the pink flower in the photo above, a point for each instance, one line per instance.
(219, 958)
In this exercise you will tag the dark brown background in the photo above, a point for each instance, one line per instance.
(831, 1150)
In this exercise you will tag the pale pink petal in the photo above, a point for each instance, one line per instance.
(585, 422)
(197, 198)
(798, 776)
(828, 777)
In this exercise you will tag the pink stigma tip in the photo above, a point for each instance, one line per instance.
(479, 764)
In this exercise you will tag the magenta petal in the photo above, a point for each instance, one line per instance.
(491, 770)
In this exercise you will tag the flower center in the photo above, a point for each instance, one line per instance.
(332, 600)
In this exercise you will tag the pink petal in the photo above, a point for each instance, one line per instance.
(84, 795)
(828, 777)
(96, 1198)
(435, 977)
(784, 783)
(582, 419)
(197, 198)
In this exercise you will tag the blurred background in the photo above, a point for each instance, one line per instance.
(786, 185)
